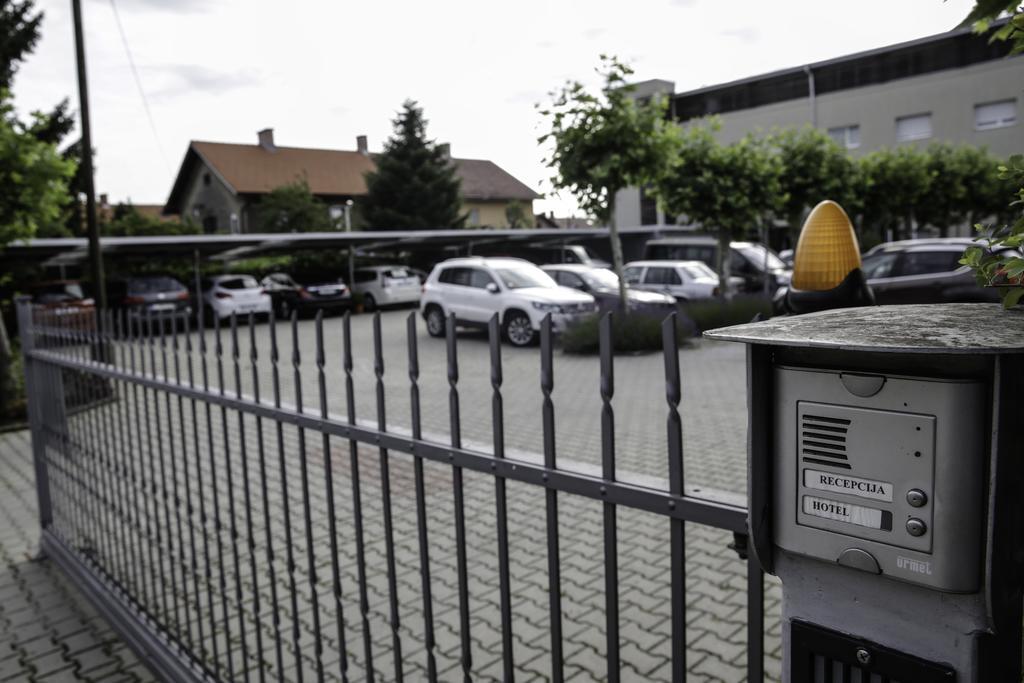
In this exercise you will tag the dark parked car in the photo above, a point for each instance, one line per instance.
(59, 294)
(923, 271)
(288, 295)
(66, 301)
(155, 295)
(603, 285)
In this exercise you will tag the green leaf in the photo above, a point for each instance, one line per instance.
(1012, 297)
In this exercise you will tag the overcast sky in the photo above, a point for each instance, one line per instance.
(320, 73)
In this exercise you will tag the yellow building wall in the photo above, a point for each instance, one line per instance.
(492, 214)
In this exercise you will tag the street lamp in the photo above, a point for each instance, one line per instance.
(348, 215)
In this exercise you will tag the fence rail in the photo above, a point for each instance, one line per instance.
(228, 542)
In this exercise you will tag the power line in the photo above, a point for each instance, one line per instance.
(138, 84)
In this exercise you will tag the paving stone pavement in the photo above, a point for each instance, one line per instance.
(163, 526)
(48, 631)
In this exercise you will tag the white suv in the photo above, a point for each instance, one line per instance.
(474, 289)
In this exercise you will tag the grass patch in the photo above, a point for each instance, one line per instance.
(632, 333)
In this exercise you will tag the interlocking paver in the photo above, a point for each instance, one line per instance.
(48, 630)
(150, 495)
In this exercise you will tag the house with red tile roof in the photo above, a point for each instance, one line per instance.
(219, 184)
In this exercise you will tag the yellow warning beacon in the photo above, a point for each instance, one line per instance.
(826, 264)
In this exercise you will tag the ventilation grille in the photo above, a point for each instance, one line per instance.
(820, 655)
(823, 440)
(828, 670)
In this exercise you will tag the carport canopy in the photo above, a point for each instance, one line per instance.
(71, 251)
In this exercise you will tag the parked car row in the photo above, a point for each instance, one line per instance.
(472, 290)
(676, 270)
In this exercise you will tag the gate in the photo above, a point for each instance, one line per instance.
(223, 525)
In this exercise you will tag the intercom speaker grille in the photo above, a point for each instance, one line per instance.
(823, 440)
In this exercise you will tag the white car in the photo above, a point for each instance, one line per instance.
(238, 294)
(386, 286)
(685, 280)
(474, 289)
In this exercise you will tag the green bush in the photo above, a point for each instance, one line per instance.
(631, 333)
(710, 314)
(12, 389)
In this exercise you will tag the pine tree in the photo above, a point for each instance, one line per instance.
(414, 186)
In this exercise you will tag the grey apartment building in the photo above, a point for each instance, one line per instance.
(952, 87)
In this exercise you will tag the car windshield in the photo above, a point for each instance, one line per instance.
(154, 285)
(282, 279)
(521, 277)
(244, 282)
(60, 291)
(397, 273)
(601, 278)
(699, 269)
(756, 255)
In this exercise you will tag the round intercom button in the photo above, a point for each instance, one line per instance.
(917, 497)
(916, 527)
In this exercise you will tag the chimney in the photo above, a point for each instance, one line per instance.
(446, 150)
(266, 137)
(103, 199)
(361, 146)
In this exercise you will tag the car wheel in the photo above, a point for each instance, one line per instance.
(435, 321)
(369, 303)
(519, 329)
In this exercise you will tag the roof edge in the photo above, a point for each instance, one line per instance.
(791, 70)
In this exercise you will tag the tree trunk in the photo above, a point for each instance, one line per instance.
(613, 236)
(723, 262)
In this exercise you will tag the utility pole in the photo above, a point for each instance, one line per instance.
(92, 226)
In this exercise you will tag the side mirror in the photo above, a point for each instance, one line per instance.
(492, 288)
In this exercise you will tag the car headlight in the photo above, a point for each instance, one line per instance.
(547, 308)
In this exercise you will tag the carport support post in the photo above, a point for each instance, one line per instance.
(351, 267)
(195, 274)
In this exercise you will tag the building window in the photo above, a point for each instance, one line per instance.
(917, 127)
(846, 136)
(474, 216)
(995, 115)
(648, 208)
(206, 179)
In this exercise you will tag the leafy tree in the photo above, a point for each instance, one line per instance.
(1005, 269)
(19, 33)
(813, 168)
(987, 11)
(892, 185)
(517, 216)
(415, 186)
(991, 268)
(128, 222)
(19, 29)
(606, 142)
(33, 178)
(292, 208)
(963, 186)
(730, 189)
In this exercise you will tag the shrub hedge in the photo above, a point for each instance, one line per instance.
(642, 332)
(631, 333)
(709, 314)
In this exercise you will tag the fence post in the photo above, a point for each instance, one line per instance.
(35, 404)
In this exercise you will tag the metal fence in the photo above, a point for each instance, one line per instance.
(219, 525)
